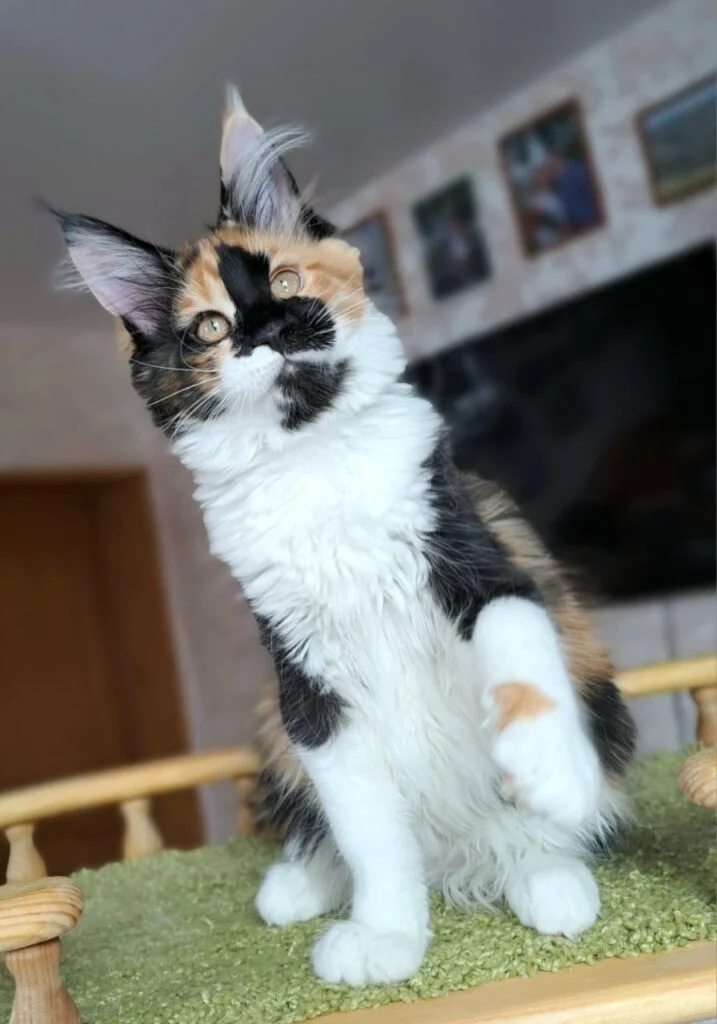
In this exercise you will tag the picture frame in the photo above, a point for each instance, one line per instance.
(552, 180)
(455, 252)
(373, 237)
(678, 136)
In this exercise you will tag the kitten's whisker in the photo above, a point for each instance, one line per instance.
(180, 391)
(174, 369)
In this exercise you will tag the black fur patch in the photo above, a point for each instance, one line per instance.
(316, 225)
(159, 375)
(310, 389)
(246, 278)
(311, 713)
(468, 566)
(611, 725)
(299, 324)
(291, 812)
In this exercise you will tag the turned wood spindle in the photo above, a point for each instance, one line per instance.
(245, 819)
(706, 700)
(37, 911)
(141, 836)
(25, 863)
(698, 778)
(40, 996)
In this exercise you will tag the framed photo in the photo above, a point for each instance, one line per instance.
(552, 179)
(679, 138)
(455, 254)
(372, 237)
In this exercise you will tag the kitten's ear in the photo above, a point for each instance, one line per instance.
(257, 187)
(129, 278)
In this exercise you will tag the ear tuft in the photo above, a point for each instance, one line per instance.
(129, 278)
(234, 103)
(257, 187)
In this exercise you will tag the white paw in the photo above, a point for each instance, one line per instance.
(290, 893)
(550, 767)
(358, 955)
(559, 897)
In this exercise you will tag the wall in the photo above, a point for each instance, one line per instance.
(654, 58)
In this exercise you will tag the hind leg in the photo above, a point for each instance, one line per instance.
(548, 762)
(303, 886)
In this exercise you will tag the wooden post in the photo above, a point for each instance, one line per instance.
(698, 778)
(25, 863)
(706, 700)
(40, 996)
(698, 775)
(141, 836)
(245, 819)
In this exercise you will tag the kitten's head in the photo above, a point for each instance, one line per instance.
(265, 318)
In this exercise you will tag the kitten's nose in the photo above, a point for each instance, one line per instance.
(271, 334)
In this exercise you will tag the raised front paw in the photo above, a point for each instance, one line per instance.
(549, 766)
(356, 954)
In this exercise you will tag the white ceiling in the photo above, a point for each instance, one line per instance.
(112, 107)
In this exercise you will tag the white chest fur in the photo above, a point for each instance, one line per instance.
(325, 536)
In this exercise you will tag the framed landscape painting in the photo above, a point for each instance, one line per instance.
(679, 139)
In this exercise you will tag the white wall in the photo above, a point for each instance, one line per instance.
(654, 58)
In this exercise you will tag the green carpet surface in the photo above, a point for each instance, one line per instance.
(174, 939)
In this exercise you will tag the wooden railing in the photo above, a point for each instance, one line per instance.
(35, 910)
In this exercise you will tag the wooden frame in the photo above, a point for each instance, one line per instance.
(640, 119)
(572, 107)
(674, 987)
(383, 220)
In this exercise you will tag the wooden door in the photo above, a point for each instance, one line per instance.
(87, 676)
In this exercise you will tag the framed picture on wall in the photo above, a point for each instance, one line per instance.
(679, 138)
(454, 250)
(551, 178)
(372, 237)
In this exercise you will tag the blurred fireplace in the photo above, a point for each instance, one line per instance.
(598, 416)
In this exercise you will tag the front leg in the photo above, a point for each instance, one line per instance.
(540, 744)
(385, 938)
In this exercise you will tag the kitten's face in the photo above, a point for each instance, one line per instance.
(252, 329)
(254, 320)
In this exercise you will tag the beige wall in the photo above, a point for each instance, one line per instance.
(656, 57)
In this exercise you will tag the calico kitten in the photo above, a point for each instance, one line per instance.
(442, 716)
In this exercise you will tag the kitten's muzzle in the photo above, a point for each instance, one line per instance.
(272, 334)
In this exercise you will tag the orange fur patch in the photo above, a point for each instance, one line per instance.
(519, 701)
(124, 340)
(203, 290)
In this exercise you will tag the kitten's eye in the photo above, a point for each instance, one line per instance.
(285, 284)
(212, 327)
